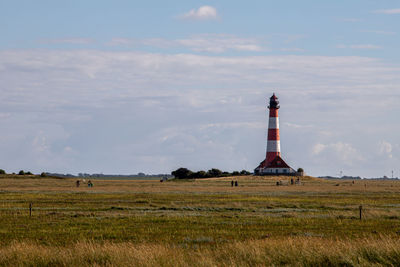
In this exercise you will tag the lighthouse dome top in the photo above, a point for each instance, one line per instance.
(273, 102)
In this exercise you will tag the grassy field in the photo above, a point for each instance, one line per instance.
(199, 223)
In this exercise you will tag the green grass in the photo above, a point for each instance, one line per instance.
(173, 218)
(208, 215)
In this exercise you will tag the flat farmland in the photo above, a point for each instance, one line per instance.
(203, 222)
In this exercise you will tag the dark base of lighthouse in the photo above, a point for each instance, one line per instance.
(275, 167)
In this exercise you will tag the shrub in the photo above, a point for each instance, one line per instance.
(182, 173)
(2, 171)
(214, 172)
(21, 172)
(244, 172)
(43, 174)
(199, 174)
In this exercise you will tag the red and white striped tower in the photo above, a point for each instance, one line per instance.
(273, 142)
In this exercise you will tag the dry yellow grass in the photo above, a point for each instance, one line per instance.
(293, 251)
(247, 184)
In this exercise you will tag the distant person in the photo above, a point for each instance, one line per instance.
(236, 183)
(90, 184)
(78, 183)
(232, 183)
(291, 181)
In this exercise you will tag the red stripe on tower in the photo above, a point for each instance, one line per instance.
(273, 112)
(273, 134)
(273, 142)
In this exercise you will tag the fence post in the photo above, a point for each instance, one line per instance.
(360, 207)
(30, 209)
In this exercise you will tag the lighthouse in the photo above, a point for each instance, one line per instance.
(273, 162)
(273, 142)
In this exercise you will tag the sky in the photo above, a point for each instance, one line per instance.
(124, 87)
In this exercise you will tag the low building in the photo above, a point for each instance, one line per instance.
(276, 166)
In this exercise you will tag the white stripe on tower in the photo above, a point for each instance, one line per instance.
(273, 143)
(273, 123)
(273, 146)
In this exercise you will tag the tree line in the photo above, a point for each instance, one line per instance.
(22, 172)
(184, 173)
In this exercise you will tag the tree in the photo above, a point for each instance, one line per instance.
(235, 173)
(182, 173)
(300, 170)
(28, 173)
(2, 171)
(199, 174)
(244, 172)
(21, 172)
(214, 172)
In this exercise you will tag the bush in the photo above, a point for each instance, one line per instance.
(43, 174)
(214, 172)
(29, 173)
(2, 171)
(199, 174)
(244, 172)
(21, 172)
(182, 173)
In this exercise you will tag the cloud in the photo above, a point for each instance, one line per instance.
(351, 20)
(345, 152)
(4, 115)
(360, 46)
(232, 125)
(291, 38)
(365, 46)
(76, 41)
(202, 13)
(211, 43)
(388, 11)
(318, 148)
(40, 143)
(220, 43)
(297, 126)
(124, 112)
(292, 49)
(121, 41)
(381, 32)
(385, 148)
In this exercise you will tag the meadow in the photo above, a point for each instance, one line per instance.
(204, 222)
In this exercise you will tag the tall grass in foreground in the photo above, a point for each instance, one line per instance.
(296, 251)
